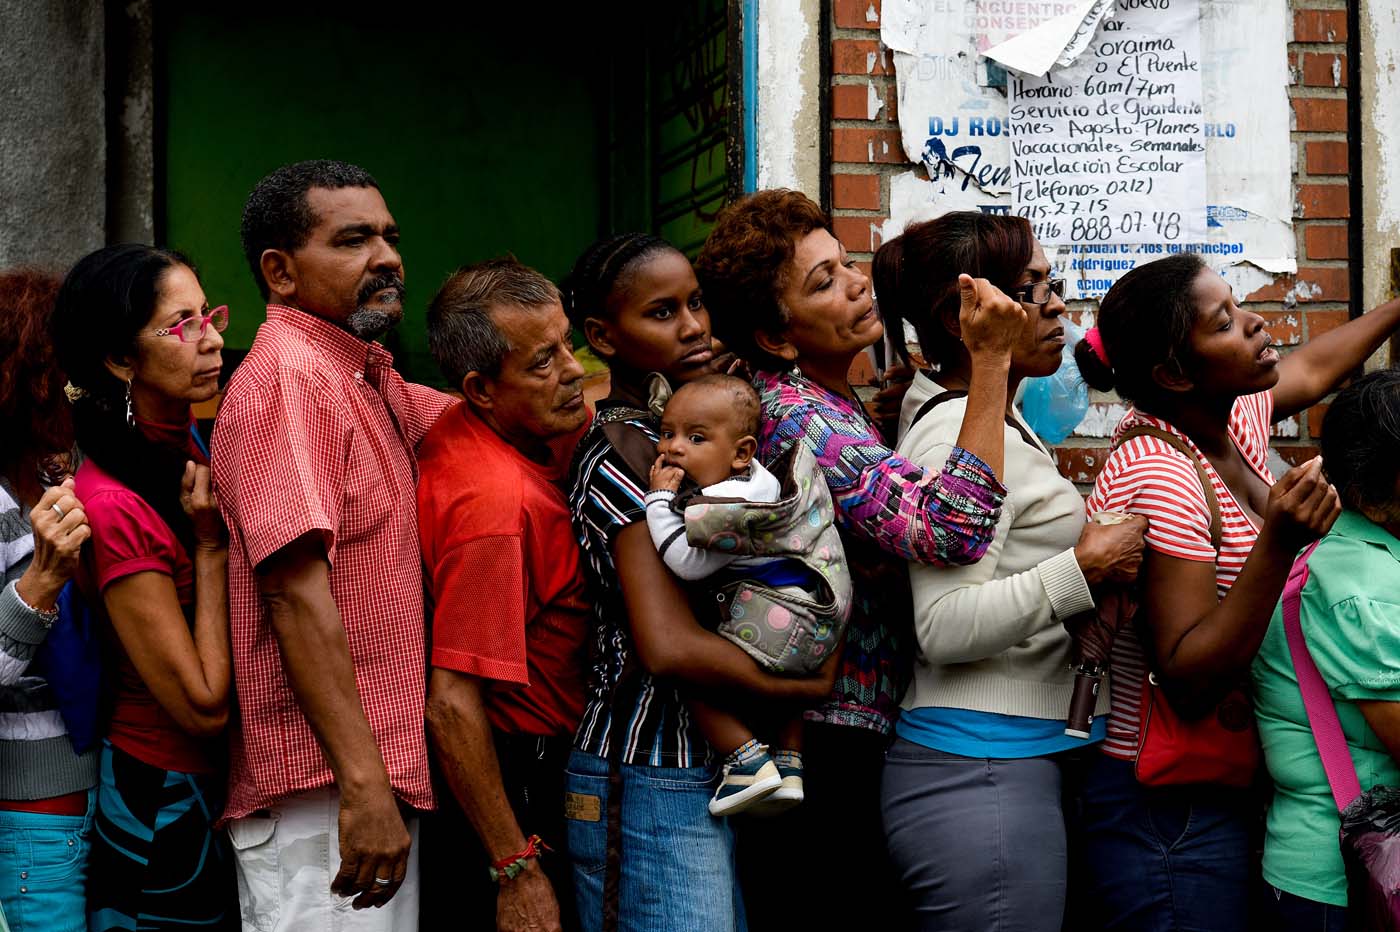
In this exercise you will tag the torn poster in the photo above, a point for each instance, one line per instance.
(959, 137)
(1249, 171)
(996, 21)
(1112, 148)
(1248, 182)
(919, 27)
(961, 141)
(1055, 41)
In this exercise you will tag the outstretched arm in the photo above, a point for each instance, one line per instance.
(1314, 369)
(942, 517)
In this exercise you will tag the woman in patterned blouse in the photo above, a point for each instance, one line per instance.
(784, 295)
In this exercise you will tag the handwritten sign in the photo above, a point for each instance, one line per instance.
(1112, 148)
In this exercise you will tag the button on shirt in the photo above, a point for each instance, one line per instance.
(316, 434)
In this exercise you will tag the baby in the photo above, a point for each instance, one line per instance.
(709, 433)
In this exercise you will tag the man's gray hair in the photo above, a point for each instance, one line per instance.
(461, 333)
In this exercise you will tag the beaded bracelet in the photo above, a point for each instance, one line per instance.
(509, 868)
(47, 617)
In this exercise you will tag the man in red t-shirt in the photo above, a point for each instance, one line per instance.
(508, 596)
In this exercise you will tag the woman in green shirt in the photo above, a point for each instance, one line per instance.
(1350, 614)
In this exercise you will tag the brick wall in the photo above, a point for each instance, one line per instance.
(866, 153)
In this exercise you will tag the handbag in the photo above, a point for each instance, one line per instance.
(70, 660)
(1370, 821)
(1220, 748)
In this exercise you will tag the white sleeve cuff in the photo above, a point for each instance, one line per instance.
(1065, 585)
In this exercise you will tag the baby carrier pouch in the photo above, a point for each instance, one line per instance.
(786, 629)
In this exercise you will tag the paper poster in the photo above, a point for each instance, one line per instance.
(1056, 41)
(1112, 148)
(967, 165)
(1249, 159)
(960, 137)
(996, 21)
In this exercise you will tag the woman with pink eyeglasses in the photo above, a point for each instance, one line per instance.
(140, 345)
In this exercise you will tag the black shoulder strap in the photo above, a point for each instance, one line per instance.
(1172, 440)
(952, 394)
(934, 402)
(603, 417)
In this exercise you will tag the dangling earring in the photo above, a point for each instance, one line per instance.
(130, 417)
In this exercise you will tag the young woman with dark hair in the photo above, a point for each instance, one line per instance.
(670, 863)
(972, 787)
(140, 345)
(45, 783)
(1349, 623)
(1194, 364)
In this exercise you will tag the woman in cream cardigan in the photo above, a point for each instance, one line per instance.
(972, 785)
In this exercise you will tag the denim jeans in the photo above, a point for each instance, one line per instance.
(1283, 912)
(43, 870)
(1165, 859)
(677, 859)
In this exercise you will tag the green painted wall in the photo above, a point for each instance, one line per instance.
(484, 140)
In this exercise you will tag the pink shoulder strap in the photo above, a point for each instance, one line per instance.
(1322, 712)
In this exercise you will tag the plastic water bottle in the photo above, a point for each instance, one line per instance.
(1054, 405)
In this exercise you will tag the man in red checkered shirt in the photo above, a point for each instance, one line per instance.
(314, 464)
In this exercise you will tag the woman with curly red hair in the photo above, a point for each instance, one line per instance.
(783, 294)
(45, 785)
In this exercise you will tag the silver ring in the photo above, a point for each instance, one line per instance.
(383, 881)
(55, 507)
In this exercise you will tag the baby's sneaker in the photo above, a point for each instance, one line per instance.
(789, 791)
(749, 775)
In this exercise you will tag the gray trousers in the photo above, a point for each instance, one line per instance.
(979, 844)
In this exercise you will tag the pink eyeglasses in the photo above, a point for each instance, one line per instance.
(191, 329)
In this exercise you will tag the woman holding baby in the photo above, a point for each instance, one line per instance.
(647, 853)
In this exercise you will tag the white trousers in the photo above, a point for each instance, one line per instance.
(285, 862)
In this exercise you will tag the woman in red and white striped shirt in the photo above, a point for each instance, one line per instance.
(1172, 341)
